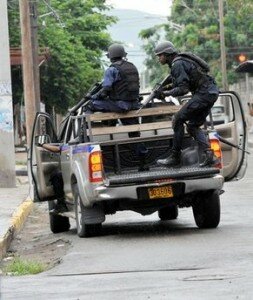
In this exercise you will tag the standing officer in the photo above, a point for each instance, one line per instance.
(188, 74)
(57, 183)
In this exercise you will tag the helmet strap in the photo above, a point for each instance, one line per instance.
(115, 59)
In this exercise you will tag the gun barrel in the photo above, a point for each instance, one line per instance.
(231, 144)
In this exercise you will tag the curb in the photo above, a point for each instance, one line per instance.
(17, 221)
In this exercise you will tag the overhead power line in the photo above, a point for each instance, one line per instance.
(54, 13)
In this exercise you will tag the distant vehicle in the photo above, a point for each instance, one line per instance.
(219, 115)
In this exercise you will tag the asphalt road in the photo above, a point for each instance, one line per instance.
(142, 258)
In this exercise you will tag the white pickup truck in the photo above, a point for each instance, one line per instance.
(103, 173)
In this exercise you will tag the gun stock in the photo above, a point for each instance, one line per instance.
(146, 101)
(97, 86)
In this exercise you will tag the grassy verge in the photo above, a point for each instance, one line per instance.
(21, 162)
(23, 267)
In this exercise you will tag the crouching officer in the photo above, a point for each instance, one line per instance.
(189, 73)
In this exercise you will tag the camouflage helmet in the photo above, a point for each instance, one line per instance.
(165, 48)
(116, 50)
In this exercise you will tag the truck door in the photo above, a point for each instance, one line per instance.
(42, 163)
(232, 127)
(66, 154)
(229, 122)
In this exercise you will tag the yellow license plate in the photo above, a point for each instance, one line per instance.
(160, 192)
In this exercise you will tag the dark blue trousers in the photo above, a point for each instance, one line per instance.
(194, 114)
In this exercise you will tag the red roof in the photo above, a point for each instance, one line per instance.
(16, 56)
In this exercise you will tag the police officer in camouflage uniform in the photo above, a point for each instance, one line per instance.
(120, 87)
(187, 76)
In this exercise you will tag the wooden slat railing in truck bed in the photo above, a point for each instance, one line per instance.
(155, 111)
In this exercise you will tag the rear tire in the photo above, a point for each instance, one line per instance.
(57, 223)
(84, 230)
(168, 213)
(206, 210)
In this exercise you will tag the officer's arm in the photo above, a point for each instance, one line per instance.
(167, 82)
(52, 148)
(181, 81)
(111, 75)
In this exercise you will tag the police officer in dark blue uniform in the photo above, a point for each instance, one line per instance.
(120, 87)
(187, 75)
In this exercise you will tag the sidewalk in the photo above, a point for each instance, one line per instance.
(15, 205)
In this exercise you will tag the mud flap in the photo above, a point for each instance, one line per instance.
(93, 215)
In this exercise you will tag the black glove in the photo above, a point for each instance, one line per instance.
(103, 93)
(159, 94)
(88, 96)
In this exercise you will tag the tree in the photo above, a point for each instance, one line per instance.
(76, 34)
(200, 34)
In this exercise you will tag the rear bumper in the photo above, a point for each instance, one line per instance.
(108, 193)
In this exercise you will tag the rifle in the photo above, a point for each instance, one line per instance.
(86, 99)
(231, 144)
(227, 142)
(158, 87)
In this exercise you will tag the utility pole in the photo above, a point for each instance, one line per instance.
(28, 62)
(222, 47)
(35, 50)
(7, 151)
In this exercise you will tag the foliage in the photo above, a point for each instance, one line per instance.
(24, 267)
(76, 35)
(200, 33)
(157, 72)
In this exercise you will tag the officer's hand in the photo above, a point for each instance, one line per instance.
(38, 144)
(168, 87)
(159, 95)
(88, 96)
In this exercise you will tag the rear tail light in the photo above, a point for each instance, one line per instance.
(215, 146)
(96, 167)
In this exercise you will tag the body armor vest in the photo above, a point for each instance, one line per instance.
(198, 73)
(126, 89)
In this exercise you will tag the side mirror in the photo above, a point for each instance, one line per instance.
(42, 139)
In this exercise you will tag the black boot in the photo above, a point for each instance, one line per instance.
(209, 159)
(174, 159)
(60, 207)
(142, 152)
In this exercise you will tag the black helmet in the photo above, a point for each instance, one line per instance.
(116, 50)
(165, 47)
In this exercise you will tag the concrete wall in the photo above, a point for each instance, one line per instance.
(246, 93)
(7, 154)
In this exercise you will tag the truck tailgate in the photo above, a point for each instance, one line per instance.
(157, 173)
